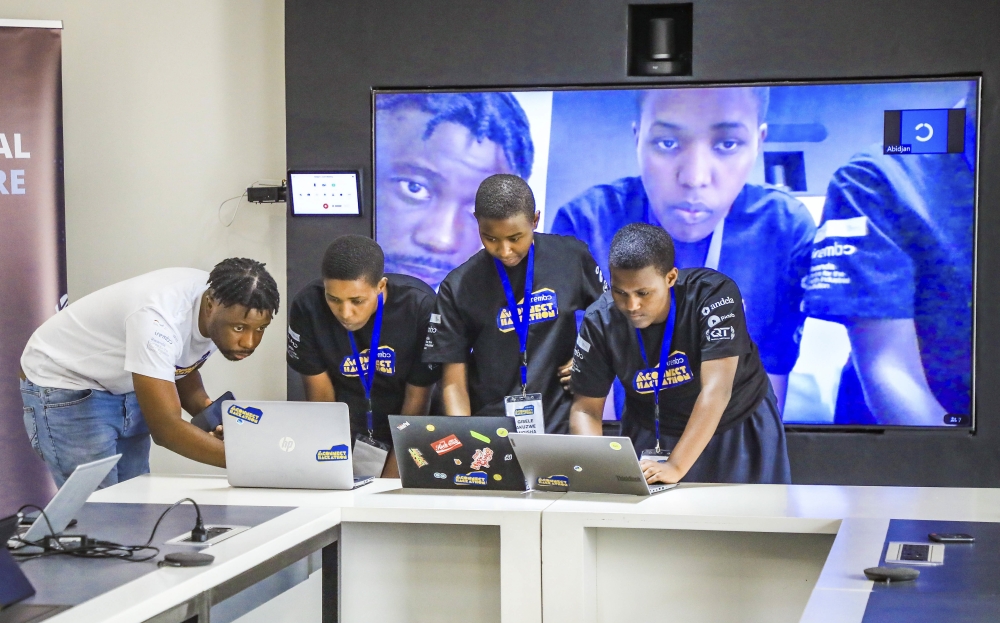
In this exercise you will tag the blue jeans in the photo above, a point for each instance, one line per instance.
(68, 427)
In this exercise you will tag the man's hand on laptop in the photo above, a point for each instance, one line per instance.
(217, 433)
(655, 471)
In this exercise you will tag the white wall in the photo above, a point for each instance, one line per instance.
(169, 108)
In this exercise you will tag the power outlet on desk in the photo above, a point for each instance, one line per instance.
(216, 534)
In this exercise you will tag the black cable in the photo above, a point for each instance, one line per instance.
(42, 513)
(94, 548)
(198, 526)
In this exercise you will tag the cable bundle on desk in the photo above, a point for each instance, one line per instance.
(81, 546)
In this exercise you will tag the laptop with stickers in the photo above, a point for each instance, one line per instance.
(289, 445)
(461, 453)
(581, 464)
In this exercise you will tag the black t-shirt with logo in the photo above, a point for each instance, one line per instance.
(710, 324)
(318, 343)
(472, 325)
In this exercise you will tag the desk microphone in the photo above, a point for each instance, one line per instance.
(891, 574)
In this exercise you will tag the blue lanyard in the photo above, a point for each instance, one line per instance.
(519, 315)
(367, 375)
(668, 334)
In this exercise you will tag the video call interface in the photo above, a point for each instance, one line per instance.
(846, 214)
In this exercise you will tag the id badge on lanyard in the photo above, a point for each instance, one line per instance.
(526, 409)
(369, 454)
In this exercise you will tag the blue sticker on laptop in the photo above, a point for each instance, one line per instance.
(336, 453)
(544, 307)
(554, 481)
(386, 364)
(477, 479)
(678, 372)
(246, 414)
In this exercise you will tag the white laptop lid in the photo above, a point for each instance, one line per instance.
(288, 445)
(70, 497)
(579, 463)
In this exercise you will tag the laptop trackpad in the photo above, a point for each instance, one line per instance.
(368, 459)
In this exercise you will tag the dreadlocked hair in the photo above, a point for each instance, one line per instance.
(242, 281)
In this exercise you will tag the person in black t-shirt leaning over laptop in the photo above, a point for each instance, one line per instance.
(488, 348)
(346, 306)
(718, 419)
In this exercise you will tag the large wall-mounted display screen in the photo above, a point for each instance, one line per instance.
(845, 213)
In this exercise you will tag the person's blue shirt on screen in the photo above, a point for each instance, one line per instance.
(893, 263)
(696, 149)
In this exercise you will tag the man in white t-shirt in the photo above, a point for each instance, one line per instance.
(116, 367)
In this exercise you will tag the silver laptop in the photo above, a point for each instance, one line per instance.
(289, 445)
(581, 464)
(70, 498)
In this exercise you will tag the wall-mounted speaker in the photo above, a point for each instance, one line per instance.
(660, 39)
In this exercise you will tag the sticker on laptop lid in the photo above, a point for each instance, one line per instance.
(446, 444)
(477, 479)
(615, 445)
(481, 458)
(497, 477)
(481, 437)
(430, 427)
(417, 457)
(245, 414)
(554, 481)
(502, 432)
(402, 426)
(336, 453)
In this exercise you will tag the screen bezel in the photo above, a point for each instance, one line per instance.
(357, 184)
(971, 429)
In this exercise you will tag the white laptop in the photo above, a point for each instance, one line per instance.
(581, 464)
(69, 499)
(289, 445)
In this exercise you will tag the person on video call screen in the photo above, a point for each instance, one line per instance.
(893, 263)
(432, 150)
(696, 149)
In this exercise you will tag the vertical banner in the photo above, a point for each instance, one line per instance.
(32, 232)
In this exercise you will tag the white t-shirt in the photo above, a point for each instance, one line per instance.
(147, 325)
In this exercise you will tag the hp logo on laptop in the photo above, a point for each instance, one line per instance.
(287, 444)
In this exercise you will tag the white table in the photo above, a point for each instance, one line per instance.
(730, 552)
(696, 553)
(410, 555)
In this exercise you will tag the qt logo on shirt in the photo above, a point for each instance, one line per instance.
(386, 363)
(676, 372)
(544, 307)
(336, 453)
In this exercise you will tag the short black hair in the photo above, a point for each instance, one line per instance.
(494, 116)
(761, 94)
(242, 281)
(638, 245)
(503, 196)
(354, 257)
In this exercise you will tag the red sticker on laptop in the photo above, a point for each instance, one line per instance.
(446, 445)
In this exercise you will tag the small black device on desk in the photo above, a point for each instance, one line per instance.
(951, 537)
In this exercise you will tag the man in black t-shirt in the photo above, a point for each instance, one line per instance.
(325, 314)
(474, 332)
(718, 413)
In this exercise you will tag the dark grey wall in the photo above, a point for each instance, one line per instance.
(337, 51)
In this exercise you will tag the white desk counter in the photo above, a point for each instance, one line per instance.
(697, 553)
(730, 552)
(424, 550)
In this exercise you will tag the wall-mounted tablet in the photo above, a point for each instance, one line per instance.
(324, 193)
